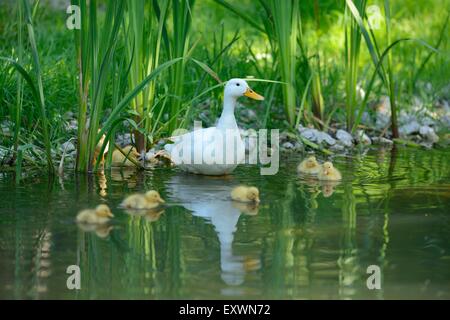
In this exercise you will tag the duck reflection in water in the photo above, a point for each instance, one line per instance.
(209, 198)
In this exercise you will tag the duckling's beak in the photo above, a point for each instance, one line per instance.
(252, 94)
(161, 200)
(110, 214)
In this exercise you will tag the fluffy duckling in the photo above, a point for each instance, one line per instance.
(119, 160)
(245, 194)
(150, 200)
(101, 214)
(329, 172)
(309, 166)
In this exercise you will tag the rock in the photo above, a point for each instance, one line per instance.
(344, 137)
(383, 113)
(323, 136)
(382, 141)
(429, 134)
(363, 138)
(71, 125)
(287, 145)
(5, 127)
(124, 139)
(366, 119)
(427, 121)
(68, 147)
(249, 114)
(409, 128)
(309, 134)
(337, 148)
(317, 136)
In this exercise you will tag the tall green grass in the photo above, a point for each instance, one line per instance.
(177, 46)
(281, 23)
(286, 19)
(96, 44)
(352, 49)
(34, 81)
(143, 46)
(383, 69)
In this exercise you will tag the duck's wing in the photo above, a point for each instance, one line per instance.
(206, 147)
(188, 148)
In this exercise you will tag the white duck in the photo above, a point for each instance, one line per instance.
(215, 150)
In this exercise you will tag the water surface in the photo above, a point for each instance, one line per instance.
(306, 240)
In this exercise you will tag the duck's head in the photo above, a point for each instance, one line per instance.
(253, 194)
(238, 87)
(311, 162)
(102, 210)
(327, 167)
(153, 197)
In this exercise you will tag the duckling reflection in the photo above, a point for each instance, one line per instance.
(126, 175)
(328, 187)
(101, 231)
(209, 198)
(150, 215)
(102, 183)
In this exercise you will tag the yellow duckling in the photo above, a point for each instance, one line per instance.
(150, 200)
(329, 172)
(101, 214)
(245, 194)
(119, 160)
(309, 166)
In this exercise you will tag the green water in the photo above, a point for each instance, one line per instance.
(305, 241)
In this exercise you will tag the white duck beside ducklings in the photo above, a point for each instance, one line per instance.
(150, 200)
(101, 214)
(216, 150)
(329, 172)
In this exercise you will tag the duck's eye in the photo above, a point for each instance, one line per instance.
(238, 84)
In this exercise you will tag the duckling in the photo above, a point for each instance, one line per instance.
(119, 160)
(101, 214)
(98, 149)
(245, 194)
(150, 200)
(309, 166)
(328, 172)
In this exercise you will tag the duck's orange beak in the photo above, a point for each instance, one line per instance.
(252, 94)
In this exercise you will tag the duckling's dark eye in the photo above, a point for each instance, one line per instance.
(237, 84)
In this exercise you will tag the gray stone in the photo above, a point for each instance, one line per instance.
(429, 134)
(363, 138)
(68, 147)
(344, 137)
(409, 128)
(382, 141)
(287, 145)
